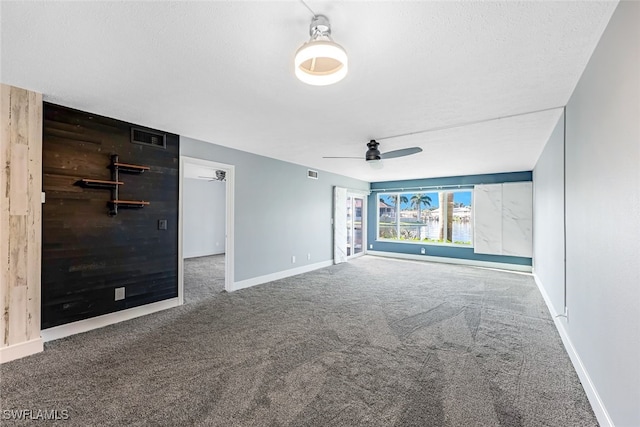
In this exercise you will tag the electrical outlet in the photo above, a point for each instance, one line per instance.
(371, 246)
(423, 251)
(308, 257)
(162, 224)
(119, 294)
(293, 259)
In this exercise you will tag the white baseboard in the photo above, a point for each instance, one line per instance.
(279, 275)
(592, 394)
(201, 254)
(460, 261)
(23, 349)
(86, 325)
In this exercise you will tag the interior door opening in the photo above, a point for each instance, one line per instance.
(204, 256)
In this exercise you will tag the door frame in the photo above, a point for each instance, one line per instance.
(229, 221)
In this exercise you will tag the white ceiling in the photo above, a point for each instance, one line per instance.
(222, 72)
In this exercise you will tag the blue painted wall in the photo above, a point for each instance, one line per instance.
(431, 184)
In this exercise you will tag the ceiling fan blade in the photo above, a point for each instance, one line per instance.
(400, 153)
(340, 157)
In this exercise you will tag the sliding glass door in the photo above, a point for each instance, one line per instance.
(355, 208)
(349, 228)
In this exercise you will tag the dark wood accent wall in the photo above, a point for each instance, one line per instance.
(86, 253)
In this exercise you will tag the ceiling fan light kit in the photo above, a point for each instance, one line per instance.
(372, 153)
(321, 61)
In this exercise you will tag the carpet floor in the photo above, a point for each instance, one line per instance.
(203, 277)
(373, 342)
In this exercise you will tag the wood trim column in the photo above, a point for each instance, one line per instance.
(20, 222)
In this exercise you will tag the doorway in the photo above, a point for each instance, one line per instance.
(206, 229)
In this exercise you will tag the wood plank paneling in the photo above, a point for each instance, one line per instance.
(34, 223)
(18, 309)
(19, 179)
(20, 215)
(5, 153)
(86, 252)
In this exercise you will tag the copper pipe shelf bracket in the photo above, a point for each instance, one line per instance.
(115, 202)
(114, 184)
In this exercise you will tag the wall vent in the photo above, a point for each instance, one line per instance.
(312, 174)
(148, 137)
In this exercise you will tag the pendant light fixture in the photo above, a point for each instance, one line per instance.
(321, 61)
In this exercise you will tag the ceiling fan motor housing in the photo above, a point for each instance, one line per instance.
(372, 153)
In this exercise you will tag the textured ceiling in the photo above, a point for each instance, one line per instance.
(222, 72)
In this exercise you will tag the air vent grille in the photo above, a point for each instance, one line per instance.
(312, 174)
(147, 137)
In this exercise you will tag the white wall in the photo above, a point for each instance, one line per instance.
(203, 217)
(548, 213)
(603, 222)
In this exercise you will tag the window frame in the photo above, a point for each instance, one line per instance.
(398, 209)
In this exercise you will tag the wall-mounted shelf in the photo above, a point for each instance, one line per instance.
(99, 183)
(114, 184)
(126, 167)
(129, 203)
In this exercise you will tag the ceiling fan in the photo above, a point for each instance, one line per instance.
(220, 176)
(373, 153)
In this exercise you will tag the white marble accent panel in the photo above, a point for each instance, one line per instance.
(517, 219)
(487, 219)
(339, 225)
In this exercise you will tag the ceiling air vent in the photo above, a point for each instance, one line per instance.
(312, 174)
(148, 137)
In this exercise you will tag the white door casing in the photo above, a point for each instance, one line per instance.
(229, 233)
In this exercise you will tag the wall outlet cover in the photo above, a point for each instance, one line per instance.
(162, 224)
(119, 294)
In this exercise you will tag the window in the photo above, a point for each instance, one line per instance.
(426, 217)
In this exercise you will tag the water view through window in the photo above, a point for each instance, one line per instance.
(429, 217)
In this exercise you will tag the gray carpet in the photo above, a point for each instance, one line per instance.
(374, 342)
(203, 277)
